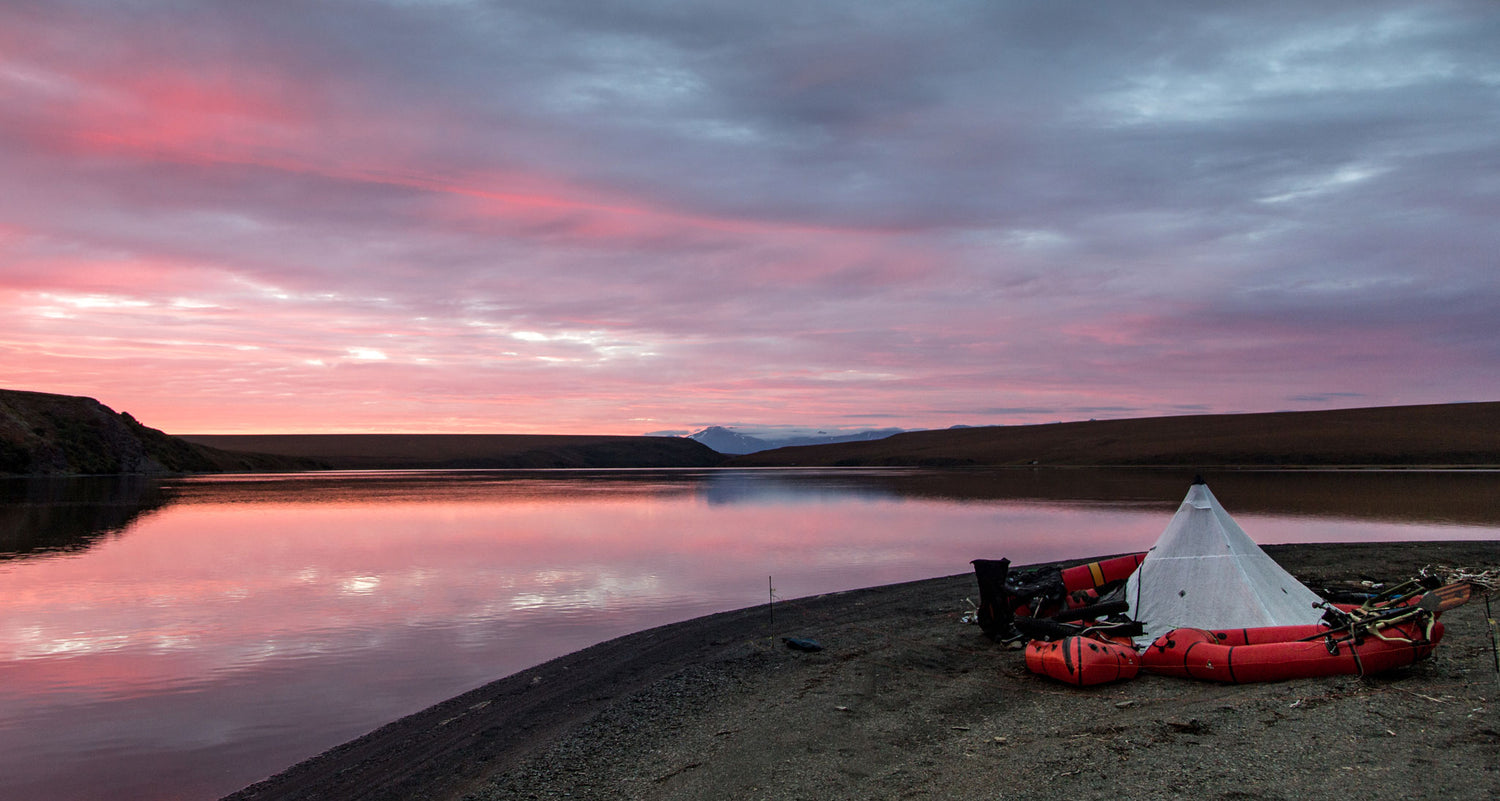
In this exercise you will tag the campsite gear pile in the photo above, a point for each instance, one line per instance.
(1205, 602)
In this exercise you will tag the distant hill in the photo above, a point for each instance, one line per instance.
(45, 434)
(726, 440)
(1444, 434)
(469, 451)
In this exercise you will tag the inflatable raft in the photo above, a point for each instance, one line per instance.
(1083, 661)
(1278, 653)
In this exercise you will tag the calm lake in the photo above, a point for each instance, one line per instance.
(182, 638)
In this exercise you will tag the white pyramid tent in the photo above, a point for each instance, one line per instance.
(1205, 572)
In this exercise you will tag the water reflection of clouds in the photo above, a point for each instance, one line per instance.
(38, 642)
(359, 585)
(285, 575)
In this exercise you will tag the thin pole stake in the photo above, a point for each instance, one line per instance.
(770, 600)
(1494, 640)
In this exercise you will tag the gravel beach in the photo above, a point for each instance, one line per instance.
(906, 701)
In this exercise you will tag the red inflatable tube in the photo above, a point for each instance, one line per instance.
(1082, 661)
(1096, 574)
(1277, 653)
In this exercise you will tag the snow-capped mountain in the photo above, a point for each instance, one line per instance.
(726, 440)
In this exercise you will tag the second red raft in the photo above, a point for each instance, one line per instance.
(1278, 653)
(1083, 661)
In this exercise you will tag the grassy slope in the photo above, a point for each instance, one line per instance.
(1447, 434)
(46, 434)
(42, 433)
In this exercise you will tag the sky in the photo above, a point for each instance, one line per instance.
(650, 217)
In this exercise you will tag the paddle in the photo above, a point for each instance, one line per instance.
(1396, 593)
(1447, 597)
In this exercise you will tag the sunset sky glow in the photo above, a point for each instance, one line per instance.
(619, 218)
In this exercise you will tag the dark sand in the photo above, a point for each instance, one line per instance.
(905, 701)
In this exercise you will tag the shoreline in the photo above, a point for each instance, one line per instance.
(906, 701)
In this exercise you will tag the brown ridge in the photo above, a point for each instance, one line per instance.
(1461, 434)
